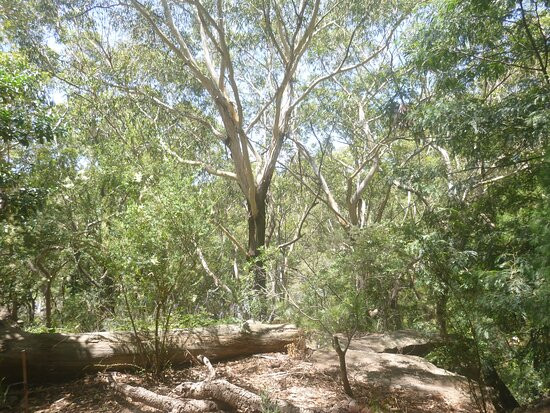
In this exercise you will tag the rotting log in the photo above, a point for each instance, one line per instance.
(163, 403)
(236, 397)
(54, 356)
(240, 399)
(216, 396)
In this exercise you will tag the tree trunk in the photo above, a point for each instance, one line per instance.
(54, 356)
(441, 313)
(256, 241)
(31, 308)
(502, 397)
(48, 303)
(49, 276)
(397, 323)
(14, 311)
(108, 294)
(343, 368)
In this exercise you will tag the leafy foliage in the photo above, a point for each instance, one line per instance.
(25, 115)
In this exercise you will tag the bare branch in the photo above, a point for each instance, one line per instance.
(258, 116)
(208, 168)
(281, 29)
(178, 111)
(342, 69)
(419, 194)
(448, 165)
(299, 234)
(500, 177)
(205, 50)
(366, 180)
(284, 56)
(182, 52)
(206, 268)
(232, 238)
(308, 34)
(331, 201)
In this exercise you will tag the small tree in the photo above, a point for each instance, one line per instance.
(329, 300)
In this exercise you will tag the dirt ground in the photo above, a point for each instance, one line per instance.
(311, 383)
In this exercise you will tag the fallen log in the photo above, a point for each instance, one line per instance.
(163, 403)
(236, 397)
(209, 395)
(54, 356)
(220, 389)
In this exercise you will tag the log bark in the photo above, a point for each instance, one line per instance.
(54, 356)
(240, 399)
(204, 396)
(161, 402)
(234, 396)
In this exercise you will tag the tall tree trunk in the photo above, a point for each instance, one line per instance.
(441, 313)
(397, 323)
(256, 240)
(108, 294)
(14, 311)
(48, 303)
(31, 307)
(49, 276)
(502, 398)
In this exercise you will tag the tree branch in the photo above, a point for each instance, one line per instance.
(299, 234)
(232, 238)
(341, 69)
(208, 168)
(331, 201)
(206, 268)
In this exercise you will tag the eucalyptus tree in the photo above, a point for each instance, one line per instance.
(361, 123)
(366, 172)
(239, 73)
(357, 130)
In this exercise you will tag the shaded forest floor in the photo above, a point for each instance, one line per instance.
(382, 382)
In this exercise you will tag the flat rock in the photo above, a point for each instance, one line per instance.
(400, 341)
(369, 361)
